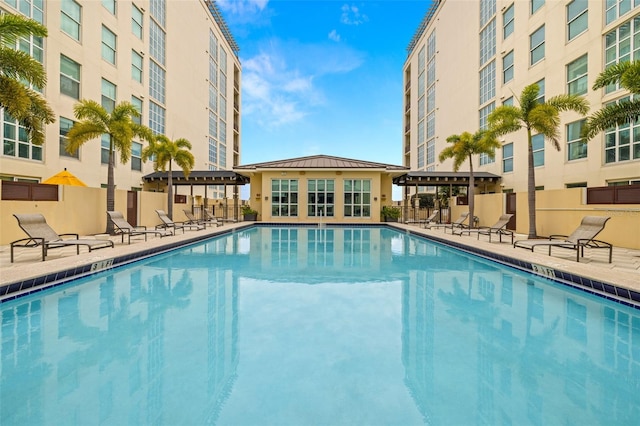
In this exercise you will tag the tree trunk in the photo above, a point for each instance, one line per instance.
(531, 189)
(170, 192)
(471, 193)
(111, 187)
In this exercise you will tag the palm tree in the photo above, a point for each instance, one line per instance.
(18, 68)
(96, 121)
(464, 147)
(167, 151)
(538, 117)
(627, 74)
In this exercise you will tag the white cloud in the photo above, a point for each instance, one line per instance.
(351, 15)
(333, 35)
(282, 83)
(274, 95)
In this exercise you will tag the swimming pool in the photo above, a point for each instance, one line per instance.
(318, 326)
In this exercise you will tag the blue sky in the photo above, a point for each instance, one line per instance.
(322, 77)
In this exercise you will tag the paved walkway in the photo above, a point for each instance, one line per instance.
(624, 271)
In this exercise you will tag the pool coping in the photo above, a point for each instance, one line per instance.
(556, 269)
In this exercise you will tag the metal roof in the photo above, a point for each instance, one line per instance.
(198, 177)
(443, 178)
(321, 162)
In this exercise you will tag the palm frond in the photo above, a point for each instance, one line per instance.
(19, 65)
(529, 98)
(545, 119)
(88, 109)
(505, 119)
(611, 75)
(611, 116)
(13, 27)
(630, 79)
(569, 103)
(83, 131)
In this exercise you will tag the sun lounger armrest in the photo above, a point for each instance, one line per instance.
(28, 242)
(77, 236)
(594, 243)
(557, 237)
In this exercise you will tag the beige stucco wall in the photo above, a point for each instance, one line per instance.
(381, 185)
(559, 212)
(80, 210)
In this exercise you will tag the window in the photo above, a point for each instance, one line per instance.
(70, 18)
(577, 76)
(65, 126)
(508, 22)
(507, 67)
(488, 42)
(535, 5)
(484, 114)
(616, 8)
(156, 81)
(507, 158)
(577, 18)
(156, 42)
(136, 21)
(156, 118)
(105, 142)
(536, 46)
(110, 5)
(541, 88)
(108, 45)
(622, 143)
(136, 156)
(508, 101)
(136, 66)
(320, 197)
(488, 82)
(15, 139)
(357, 198)
(487, 10)
(137, 102)
(576, 147)
(421, 156)
(108, 95)
(431, 151)
(622, 45)
(537, 144)
(69, 77)
(487, 159)
(284, 197)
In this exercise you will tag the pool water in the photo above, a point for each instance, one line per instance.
(318, 326)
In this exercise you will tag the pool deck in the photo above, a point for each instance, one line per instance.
(623, 272)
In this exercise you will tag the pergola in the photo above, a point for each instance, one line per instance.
(202, 177)
(450, 179)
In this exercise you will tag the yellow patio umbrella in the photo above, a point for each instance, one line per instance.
(64, 178)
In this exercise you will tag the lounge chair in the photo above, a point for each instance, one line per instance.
(167, 223)
(457, 224)
(430, 219)
(192, 219)
(499, 228)
(433, 219)
(583, 236)
(43, 236)
(125, 228)
(209, 216)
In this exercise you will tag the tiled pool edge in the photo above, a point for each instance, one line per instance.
(17, 289)
(599, 288)
(13, 290)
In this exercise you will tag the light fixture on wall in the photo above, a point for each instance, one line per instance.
(266, 198)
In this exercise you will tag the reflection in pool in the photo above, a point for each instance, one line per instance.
(318, 326)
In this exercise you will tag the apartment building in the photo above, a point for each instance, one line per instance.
(175, 60)
(467, 58)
